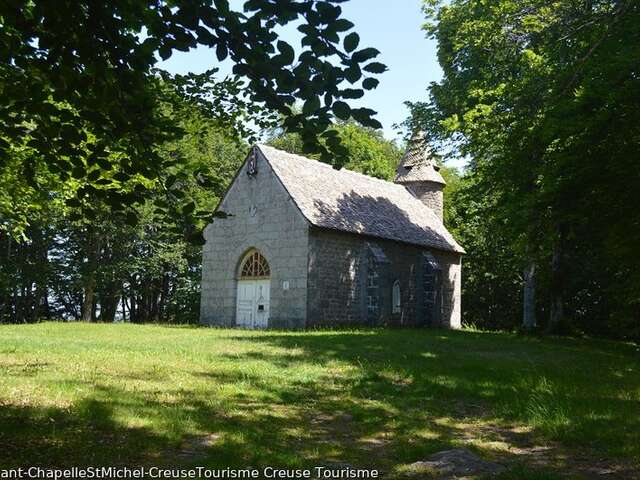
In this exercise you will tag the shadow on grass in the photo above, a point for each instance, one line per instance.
(573, 391)
(383, 398)
(86, 434)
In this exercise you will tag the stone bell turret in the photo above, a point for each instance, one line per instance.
(419, 173)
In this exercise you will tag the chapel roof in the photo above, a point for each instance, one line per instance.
(356, 203)
(418, 163)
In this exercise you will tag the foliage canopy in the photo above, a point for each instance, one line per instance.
(543, 97)
(81, 93)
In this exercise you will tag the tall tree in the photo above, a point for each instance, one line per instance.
(542, 95)
(69, 265)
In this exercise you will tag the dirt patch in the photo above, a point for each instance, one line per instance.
(516, 444)
(195, 448)
(458, 463)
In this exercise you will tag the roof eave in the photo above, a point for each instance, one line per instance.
(457, 249)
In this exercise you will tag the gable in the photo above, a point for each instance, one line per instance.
(249, 194)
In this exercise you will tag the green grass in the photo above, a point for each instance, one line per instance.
(85, 394)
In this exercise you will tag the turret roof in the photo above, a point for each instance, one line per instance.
(418, 163)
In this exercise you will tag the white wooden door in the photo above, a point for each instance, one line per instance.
(253, 303)
(245, 309)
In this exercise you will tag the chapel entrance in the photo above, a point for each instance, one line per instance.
(253, 295)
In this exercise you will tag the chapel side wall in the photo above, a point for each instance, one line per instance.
(337, 294)
(335, 282)
(451, 265)
(263, 216)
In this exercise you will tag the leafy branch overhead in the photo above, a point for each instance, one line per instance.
(80, 89)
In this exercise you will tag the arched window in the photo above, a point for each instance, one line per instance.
(431, 283)
(254, 265)
(372, 288)
(396, 301)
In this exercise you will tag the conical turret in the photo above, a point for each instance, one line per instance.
(419, 173)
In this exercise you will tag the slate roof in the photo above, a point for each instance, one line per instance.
(418, 163)
(352, 202)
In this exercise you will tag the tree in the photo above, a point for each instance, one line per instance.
(491, 286)
(79, 86)
(103, 267)
(541, 96)
(366, 149)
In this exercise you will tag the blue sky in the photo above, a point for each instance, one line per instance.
(393, 27)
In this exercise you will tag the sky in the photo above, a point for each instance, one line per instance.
(391, 26)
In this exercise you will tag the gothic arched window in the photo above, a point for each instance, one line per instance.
(396, 302)
(254, 265)
(372, 287)
(431, 284)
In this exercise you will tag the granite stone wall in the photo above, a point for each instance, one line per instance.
(337, 283)
(430, 194)
(336, 279)
(262, 216)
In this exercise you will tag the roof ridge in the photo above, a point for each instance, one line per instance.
(323, 164)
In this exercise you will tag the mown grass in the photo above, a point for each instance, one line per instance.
(87, 394)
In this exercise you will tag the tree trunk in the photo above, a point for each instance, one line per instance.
(6, 313)
(89, 278)
(108, 306)
(163, 297)
(556, 312)
(40, 247)
(124, 306)
(529, 298)
(87, 301)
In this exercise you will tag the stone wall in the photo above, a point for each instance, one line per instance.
(263, 216)
(451, 289)
(429, 193)
(336, 279)
(337, 284)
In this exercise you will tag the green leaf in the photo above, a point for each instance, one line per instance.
(373, 123)
(104, 163)
(241, 69)
(375, 67)
(365, 54)
(341, 110)
(311, 105)
(286, 51)
(131, 218)
(365, 117)
(221, 51)
(351, 42)
(341, 25)
(353, 74)
(165, 52)
(351, 93)
(370, 83)
(78, 172)
(328, 12)
(93, 175)
(171, 179)
(188, 208)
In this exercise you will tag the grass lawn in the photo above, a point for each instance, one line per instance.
(95, 394)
